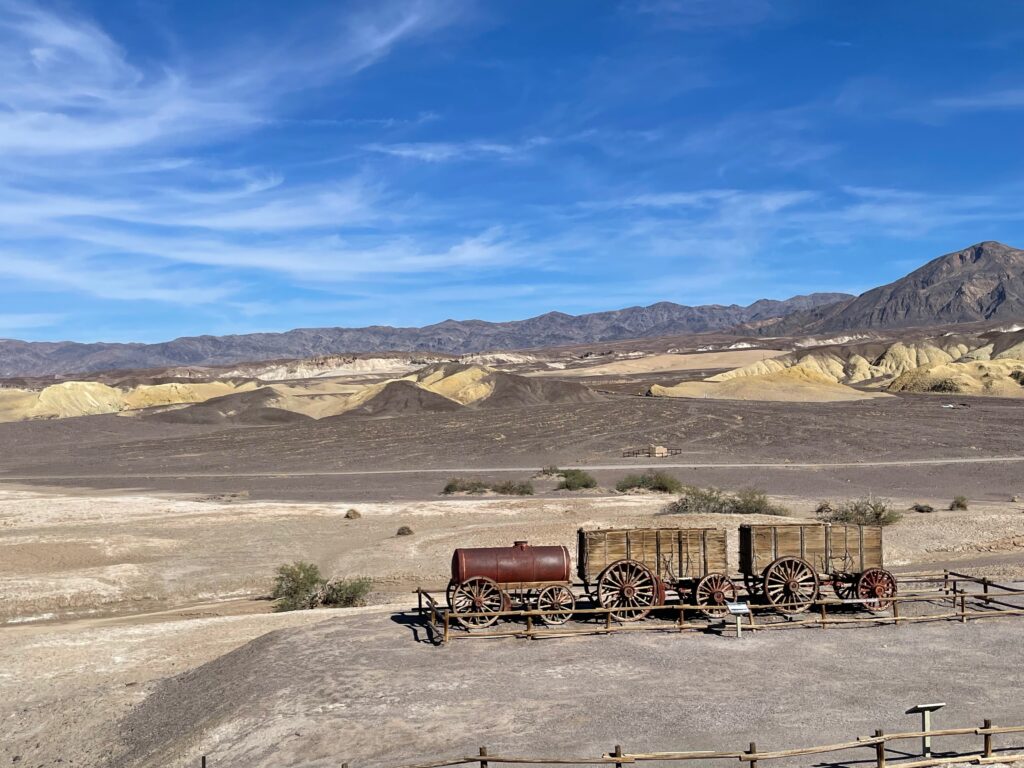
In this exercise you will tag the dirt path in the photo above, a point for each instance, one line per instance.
(520, 470)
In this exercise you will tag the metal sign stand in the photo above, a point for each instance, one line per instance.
(739, 610)
(925, 710)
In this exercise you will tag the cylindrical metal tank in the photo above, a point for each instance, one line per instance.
(516, 564)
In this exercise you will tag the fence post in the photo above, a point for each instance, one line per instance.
(618, 753)
(203, 761)
(984, 586)
(963, 607)
(823, 615)
(896, 612)
(483, 755)
(753, 751)
(988, 739)
(446, 623)
(880, 748)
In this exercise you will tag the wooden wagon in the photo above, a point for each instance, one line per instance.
(629, 569)
(787, 564)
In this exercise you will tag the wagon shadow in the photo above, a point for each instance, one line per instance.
(422, 630)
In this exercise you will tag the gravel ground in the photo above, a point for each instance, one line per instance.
(360, 690)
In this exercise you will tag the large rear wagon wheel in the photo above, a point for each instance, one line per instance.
(877, 588)
(557, 598)
(628, 587)
(477, 595)
(712, 593)
(790, 585)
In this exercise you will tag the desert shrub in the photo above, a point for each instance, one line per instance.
(296, 586)
(352, 514)
(513, 488)
(865, 511)
(945, 385)
(345, 593)
(461, 485)
(576, 479)
(650, 481)
(551, 471)
(1018, 376)
(959, 502)
(405, 530)
(714, 501)
(924, 508)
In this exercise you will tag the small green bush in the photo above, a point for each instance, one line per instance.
(513, 488)
(460, 485)
(865, 511)
(959, 502)
(296, 586)
(713, 501)
(345, 593)
(576, 479)
(650, 481)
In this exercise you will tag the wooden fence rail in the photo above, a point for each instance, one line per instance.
(876, 743)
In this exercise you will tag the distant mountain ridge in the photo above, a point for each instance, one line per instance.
(981, 282)
(22, 358)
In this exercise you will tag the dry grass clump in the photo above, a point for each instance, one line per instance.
(865, 511)
(299, 586)
(506, 488)
(714, 501)
(514, 488)
(958, 503)
(461, 485)
(650, 481)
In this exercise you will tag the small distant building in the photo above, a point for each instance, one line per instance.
(651, 451)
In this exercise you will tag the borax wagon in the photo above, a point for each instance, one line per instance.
(631, 571)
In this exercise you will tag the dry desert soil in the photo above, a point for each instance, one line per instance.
(136, 556)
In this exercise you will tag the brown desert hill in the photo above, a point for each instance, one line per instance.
(398, 398)
(981, 282)
(260, 406)
(482, 387)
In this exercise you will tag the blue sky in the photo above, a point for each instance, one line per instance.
(178, 168)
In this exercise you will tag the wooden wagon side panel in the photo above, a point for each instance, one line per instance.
(762, 544)
(671, 553)
(855, 548)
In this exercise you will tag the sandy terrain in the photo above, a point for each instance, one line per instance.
(791, 385)
(697, 361)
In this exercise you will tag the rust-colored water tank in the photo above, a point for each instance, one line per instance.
(518, 563)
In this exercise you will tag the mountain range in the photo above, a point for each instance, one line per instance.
(984, 282)
(22, 358)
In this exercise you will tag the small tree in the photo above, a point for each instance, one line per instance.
(576, 479)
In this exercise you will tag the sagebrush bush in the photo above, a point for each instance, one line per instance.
(714, 501)
(345, 593)
(576, 479)
(650, 481)
(461, 485)
(865, 511)
(296, 586)
(513, 488)
(959, 502)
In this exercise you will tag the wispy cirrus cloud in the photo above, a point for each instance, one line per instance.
(440, 152)
(1010, 98)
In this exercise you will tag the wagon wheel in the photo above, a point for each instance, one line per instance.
(845, 587)
(712, 593)
(477, 595)
(877, 587)
(752, 584)
(628, 587)
(790, 584)
(556, 598)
